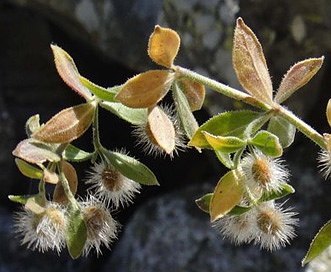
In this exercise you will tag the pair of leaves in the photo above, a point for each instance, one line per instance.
(252, 71)
(147, 89)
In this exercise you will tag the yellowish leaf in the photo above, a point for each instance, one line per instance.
(67, 125)
(161, 129)
(250, 64)
(226, 196)
(297, 76)
(145, 90)
(163, 46)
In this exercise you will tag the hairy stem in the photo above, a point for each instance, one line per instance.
(302, 126)
(246, 98)
(222, 88)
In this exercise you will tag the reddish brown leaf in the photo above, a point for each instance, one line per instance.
(163, 46)
(250, 64)
(145, 90)
(297, 76)
(67, 125)
(68, 71)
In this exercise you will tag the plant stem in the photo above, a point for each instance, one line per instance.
(246, 98)
(222, 88)
(95, 129)
(66, 187)
(302, 126)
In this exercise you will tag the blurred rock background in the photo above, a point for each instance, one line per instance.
(107, 38)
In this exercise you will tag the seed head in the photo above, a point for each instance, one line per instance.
(264, 174)
(101, 227)
(238, 228)
(111, 186)
(324, 160)
(42, 231)
(275, 226)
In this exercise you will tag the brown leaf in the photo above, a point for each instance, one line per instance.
(194, 92)
(145, 90)
(297, 76)
(67, 125)
(68, 71)
(161, 129)
(69, 171)
(163, 46)
(34, 152)
(250, 64)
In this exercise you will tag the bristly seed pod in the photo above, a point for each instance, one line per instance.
(101, 227)
(110, 186)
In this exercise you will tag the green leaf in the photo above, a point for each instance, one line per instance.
(35, 152)
(232, 123)
(76, 234)
(22, 199)
(131, 115)
(28, 170)
(187, 120)
(321, 241)
(285, 190)
(132, 168)
(227, 144)
(284, 130)
(204, 202)
(74, 154)
(106, 94)
(268, 143)
(226, 196)
(224, 158)
(238, 210)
